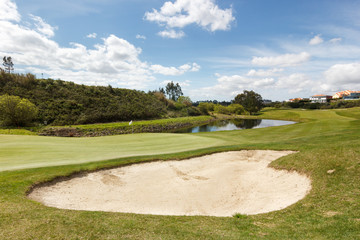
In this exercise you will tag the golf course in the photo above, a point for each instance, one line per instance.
(325, 147)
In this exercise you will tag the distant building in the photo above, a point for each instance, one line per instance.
(295, 99)
(352, 96)
(320, 98)
(343, 94)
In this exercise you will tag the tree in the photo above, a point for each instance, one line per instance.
(8, 64)
(16, 111)
(173, 91)
(250, 100)
(185, 100)
(162, 90)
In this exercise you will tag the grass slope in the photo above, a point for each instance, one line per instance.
(326, 140)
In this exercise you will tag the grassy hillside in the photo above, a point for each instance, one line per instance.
(329, 153)
(62, 102)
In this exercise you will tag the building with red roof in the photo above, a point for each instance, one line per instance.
(320, 98)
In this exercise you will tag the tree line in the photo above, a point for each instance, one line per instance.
(24, 98)
(65, 103)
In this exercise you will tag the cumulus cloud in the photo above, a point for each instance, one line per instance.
(181, 13)
(295, 83)
(343, 74)
(282, 60)
(230, 86)
(8, 11)
(171, 34)
(92, 35)
(316, 40)
(264, 73)
(112, 61)
(173, 71)
(265, 82)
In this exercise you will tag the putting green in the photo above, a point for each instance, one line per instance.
(19, 152)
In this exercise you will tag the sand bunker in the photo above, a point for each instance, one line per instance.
(220, 184)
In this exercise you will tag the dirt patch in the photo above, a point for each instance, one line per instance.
(220, 184)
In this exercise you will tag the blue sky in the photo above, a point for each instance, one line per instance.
(215, 49)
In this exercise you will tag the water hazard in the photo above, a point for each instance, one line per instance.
(234, 124)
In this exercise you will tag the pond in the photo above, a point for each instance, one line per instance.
(234, 124)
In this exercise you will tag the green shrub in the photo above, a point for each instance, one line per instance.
(221, 109)
(15, 111)
(237, 109)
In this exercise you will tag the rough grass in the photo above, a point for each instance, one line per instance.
(10, 131)
(326, 140)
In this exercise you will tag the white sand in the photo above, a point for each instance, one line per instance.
(220, 184)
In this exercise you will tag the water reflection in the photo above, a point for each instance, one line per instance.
(233, 124)
(246, 123)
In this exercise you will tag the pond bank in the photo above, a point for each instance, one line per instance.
(150, 126)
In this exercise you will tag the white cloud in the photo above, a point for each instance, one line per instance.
(316, 40)
(195, 67)
(343, 74)
(43, 27)
(138, 36)
(265, 82)
(183, 84)
(264, 73)
(173, 71)
(335, 40)
(171, 34)
(295, 83)
(282, 60)
(204, 13)
(229, 86)
(92, 35)
(113, 61)
(8, 11)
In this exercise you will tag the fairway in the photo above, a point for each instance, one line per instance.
(328, 153)
(17, 152)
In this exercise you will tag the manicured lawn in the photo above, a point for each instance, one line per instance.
(326, 140)
(18, 151)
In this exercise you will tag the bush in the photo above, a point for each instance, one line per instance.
(221, 109)
(203, 107)
(185, 100)
(15, 111)
(237, 109)
(193, 111)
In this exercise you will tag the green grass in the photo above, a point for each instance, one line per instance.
(100, 126)
(116, 128)
(10, 131)
(18, 151)
(326, 140)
